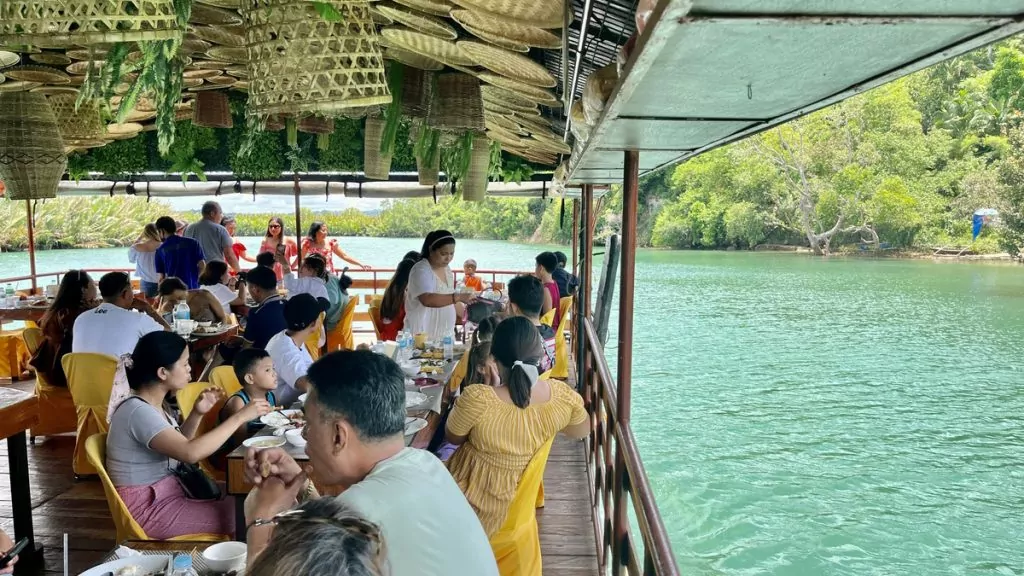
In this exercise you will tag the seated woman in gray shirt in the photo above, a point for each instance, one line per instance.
(145, 443)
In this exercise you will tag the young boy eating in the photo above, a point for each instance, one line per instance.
(255, 371)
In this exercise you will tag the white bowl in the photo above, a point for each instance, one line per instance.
(294, 437)
(263, 442)
(204, 324)
(410, 368)
(225, 556)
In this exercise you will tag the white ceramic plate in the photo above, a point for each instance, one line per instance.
(279, 419)
(414, 425)
(414, 399)
(147, 563)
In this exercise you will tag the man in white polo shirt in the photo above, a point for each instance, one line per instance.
(115, 326)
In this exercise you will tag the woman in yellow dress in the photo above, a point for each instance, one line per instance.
(499, 425)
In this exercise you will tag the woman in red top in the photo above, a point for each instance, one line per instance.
(275, 237)
(546, 264)
(316, 243)
(392, 307)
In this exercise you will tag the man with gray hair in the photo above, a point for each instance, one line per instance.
(355, 424)
(212, 237)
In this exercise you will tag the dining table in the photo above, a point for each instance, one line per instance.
(437, 400)
(19, 411)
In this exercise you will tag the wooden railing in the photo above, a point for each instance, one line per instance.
(617, 478)
(365, 285)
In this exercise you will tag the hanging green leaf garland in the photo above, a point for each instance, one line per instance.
(159, 73)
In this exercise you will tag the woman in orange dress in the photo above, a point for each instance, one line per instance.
(316, 242)
(501, 424)
(275, 237)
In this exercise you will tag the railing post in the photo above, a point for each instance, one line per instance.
(586, 248)
(298, 215)
(630, 181)
(31, 244)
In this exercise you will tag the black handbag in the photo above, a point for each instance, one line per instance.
(196, 484)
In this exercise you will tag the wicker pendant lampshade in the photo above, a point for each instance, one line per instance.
(474, 185)
(32, 158)
(417, 92)
(300, 63)
(62, 23)
(76, 126)
(212, 110)
(376, 165)
(457, 103)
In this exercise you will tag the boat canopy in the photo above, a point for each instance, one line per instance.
(705, 73)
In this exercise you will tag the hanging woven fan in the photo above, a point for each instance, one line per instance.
(509, 64)
(537, 13)
(412, 59)
(496, 25)
(417, 21)
(211, 16)
(435, 7)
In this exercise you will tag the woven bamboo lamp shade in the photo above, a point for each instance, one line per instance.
(316, 125)
(417, 92)
(76, 125)
(212, 110)
(32, 158)
(375, 164)
(457, 103)
(63, 23)
(299, 63)
(474, 185)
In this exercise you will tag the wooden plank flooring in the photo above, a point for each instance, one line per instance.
(79, 508)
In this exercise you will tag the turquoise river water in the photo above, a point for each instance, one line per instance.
(800, 416)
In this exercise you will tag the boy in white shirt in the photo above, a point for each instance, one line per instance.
(288, 349)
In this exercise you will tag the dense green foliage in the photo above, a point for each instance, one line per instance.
(909, 161)
(92, 222)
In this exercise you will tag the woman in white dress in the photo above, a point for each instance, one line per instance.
(430, 298)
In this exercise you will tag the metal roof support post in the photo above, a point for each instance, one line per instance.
(31, 244)
(586, 248)
(630, 181)
(298, 216)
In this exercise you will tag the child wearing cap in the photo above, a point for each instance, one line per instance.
(470, 279)
(288, 348)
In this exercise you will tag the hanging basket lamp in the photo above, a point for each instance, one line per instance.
(212, 110)
(63, 23)
(32, 158)
(301, 63)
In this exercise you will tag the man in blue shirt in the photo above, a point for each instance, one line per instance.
(177, 256)
(266, 319)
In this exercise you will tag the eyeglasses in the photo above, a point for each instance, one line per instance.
(275, 225)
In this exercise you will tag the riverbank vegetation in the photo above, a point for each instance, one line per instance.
(902, 166)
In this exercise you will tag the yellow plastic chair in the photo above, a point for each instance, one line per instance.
(564, 306)
(90, 380)
(14, 354)
(127, 527)
(375, 320)
(313, 342)
(186, 401)
(560, 370)
(56, 408)
(342, 338)
(459, 374)
(224, 376)
(516, 544)
(187, 397)
(548, 318)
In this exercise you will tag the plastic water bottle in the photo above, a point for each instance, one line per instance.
(403, 346)
(182, 566)
(181, 312)
(448, 344)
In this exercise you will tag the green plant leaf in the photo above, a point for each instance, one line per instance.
(327, 11)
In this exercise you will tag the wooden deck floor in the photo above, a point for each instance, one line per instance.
(79, 508)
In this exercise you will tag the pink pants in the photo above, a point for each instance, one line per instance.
(164, 511)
